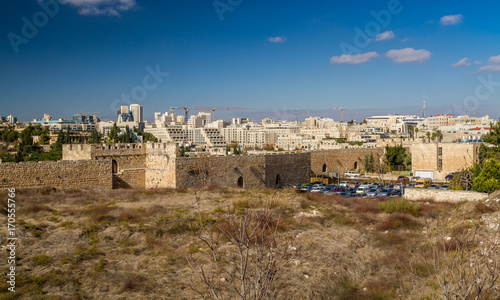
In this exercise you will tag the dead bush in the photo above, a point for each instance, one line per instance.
(482, 208)
(132, 282)
(396, 221)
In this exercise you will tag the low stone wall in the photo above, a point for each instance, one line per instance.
(62, 174)
(444, 195)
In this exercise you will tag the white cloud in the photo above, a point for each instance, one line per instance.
(405, 39)
(477, 62)
(276, 39)
(388, 35)
(494, 60)
(451, 19)
(101, 7)
(408, 55)
(353, 59)
(461, 63)
(490, 68)
(494, 65)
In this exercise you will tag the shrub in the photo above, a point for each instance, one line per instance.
(400, 205)
(488, 180)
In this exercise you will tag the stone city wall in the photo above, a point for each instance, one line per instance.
(220, 170)
(326, 161)
(130, 178)
(63, 174)
(160, 165)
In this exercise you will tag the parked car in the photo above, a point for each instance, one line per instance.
(344, 183)
(450, 176)
(354, 184)
(385, 192)
(330, 186)
(349, 193)
(362, 190)
(375, 185)
(411, 185)
(317, 188)
(402, 178)
(444, 187)
(336, 191)
(399, 186)
(389, 185)
(305, 187)
(351, 174)
(415, 178)
(434, 187)
(395, 193)
(318, 182)
(372, 193)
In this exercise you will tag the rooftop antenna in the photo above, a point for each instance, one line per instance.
(295, 116)
(423, 108)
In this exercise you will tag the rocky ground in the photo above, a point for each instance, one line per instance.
(133, 244)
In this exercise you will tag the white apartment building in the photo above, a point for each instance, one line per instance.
(200, 120)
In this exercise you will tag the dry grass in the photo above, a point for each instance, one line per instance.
(134, 243)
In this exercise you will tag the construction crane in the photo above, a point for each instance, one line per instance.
(341, 113)
(186, 110)
(88, 113)
(218, 108)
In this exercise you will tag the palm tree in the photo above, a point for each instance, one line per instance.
(428, 134)
(416, 133)
(439, 135)
(411, 131)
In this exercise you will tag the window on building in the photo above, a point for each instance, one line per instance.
(440, 150)
(440, 164)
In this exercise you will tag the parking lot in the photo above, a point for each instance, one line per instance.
(366, 187)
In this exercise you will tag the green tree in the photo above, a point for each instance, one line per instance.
(369, 163)
(439, 135)
(45, 137)
(488, 180)
(95, 137)
(395, 155)
(113, 134)
(411, 131)
(493, 137)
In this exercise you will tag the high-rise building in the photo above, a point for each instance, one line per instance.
(136, 111)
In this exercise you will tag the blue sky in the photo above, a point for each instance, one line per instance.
(268, 55)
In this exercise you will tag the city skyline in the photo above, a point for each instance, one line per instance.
(96, 55)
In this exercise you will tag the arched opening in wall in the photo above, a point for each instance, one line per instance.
(278, 180)
(240, 182)
(324, 168)
(355, 165)
(114, 166)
